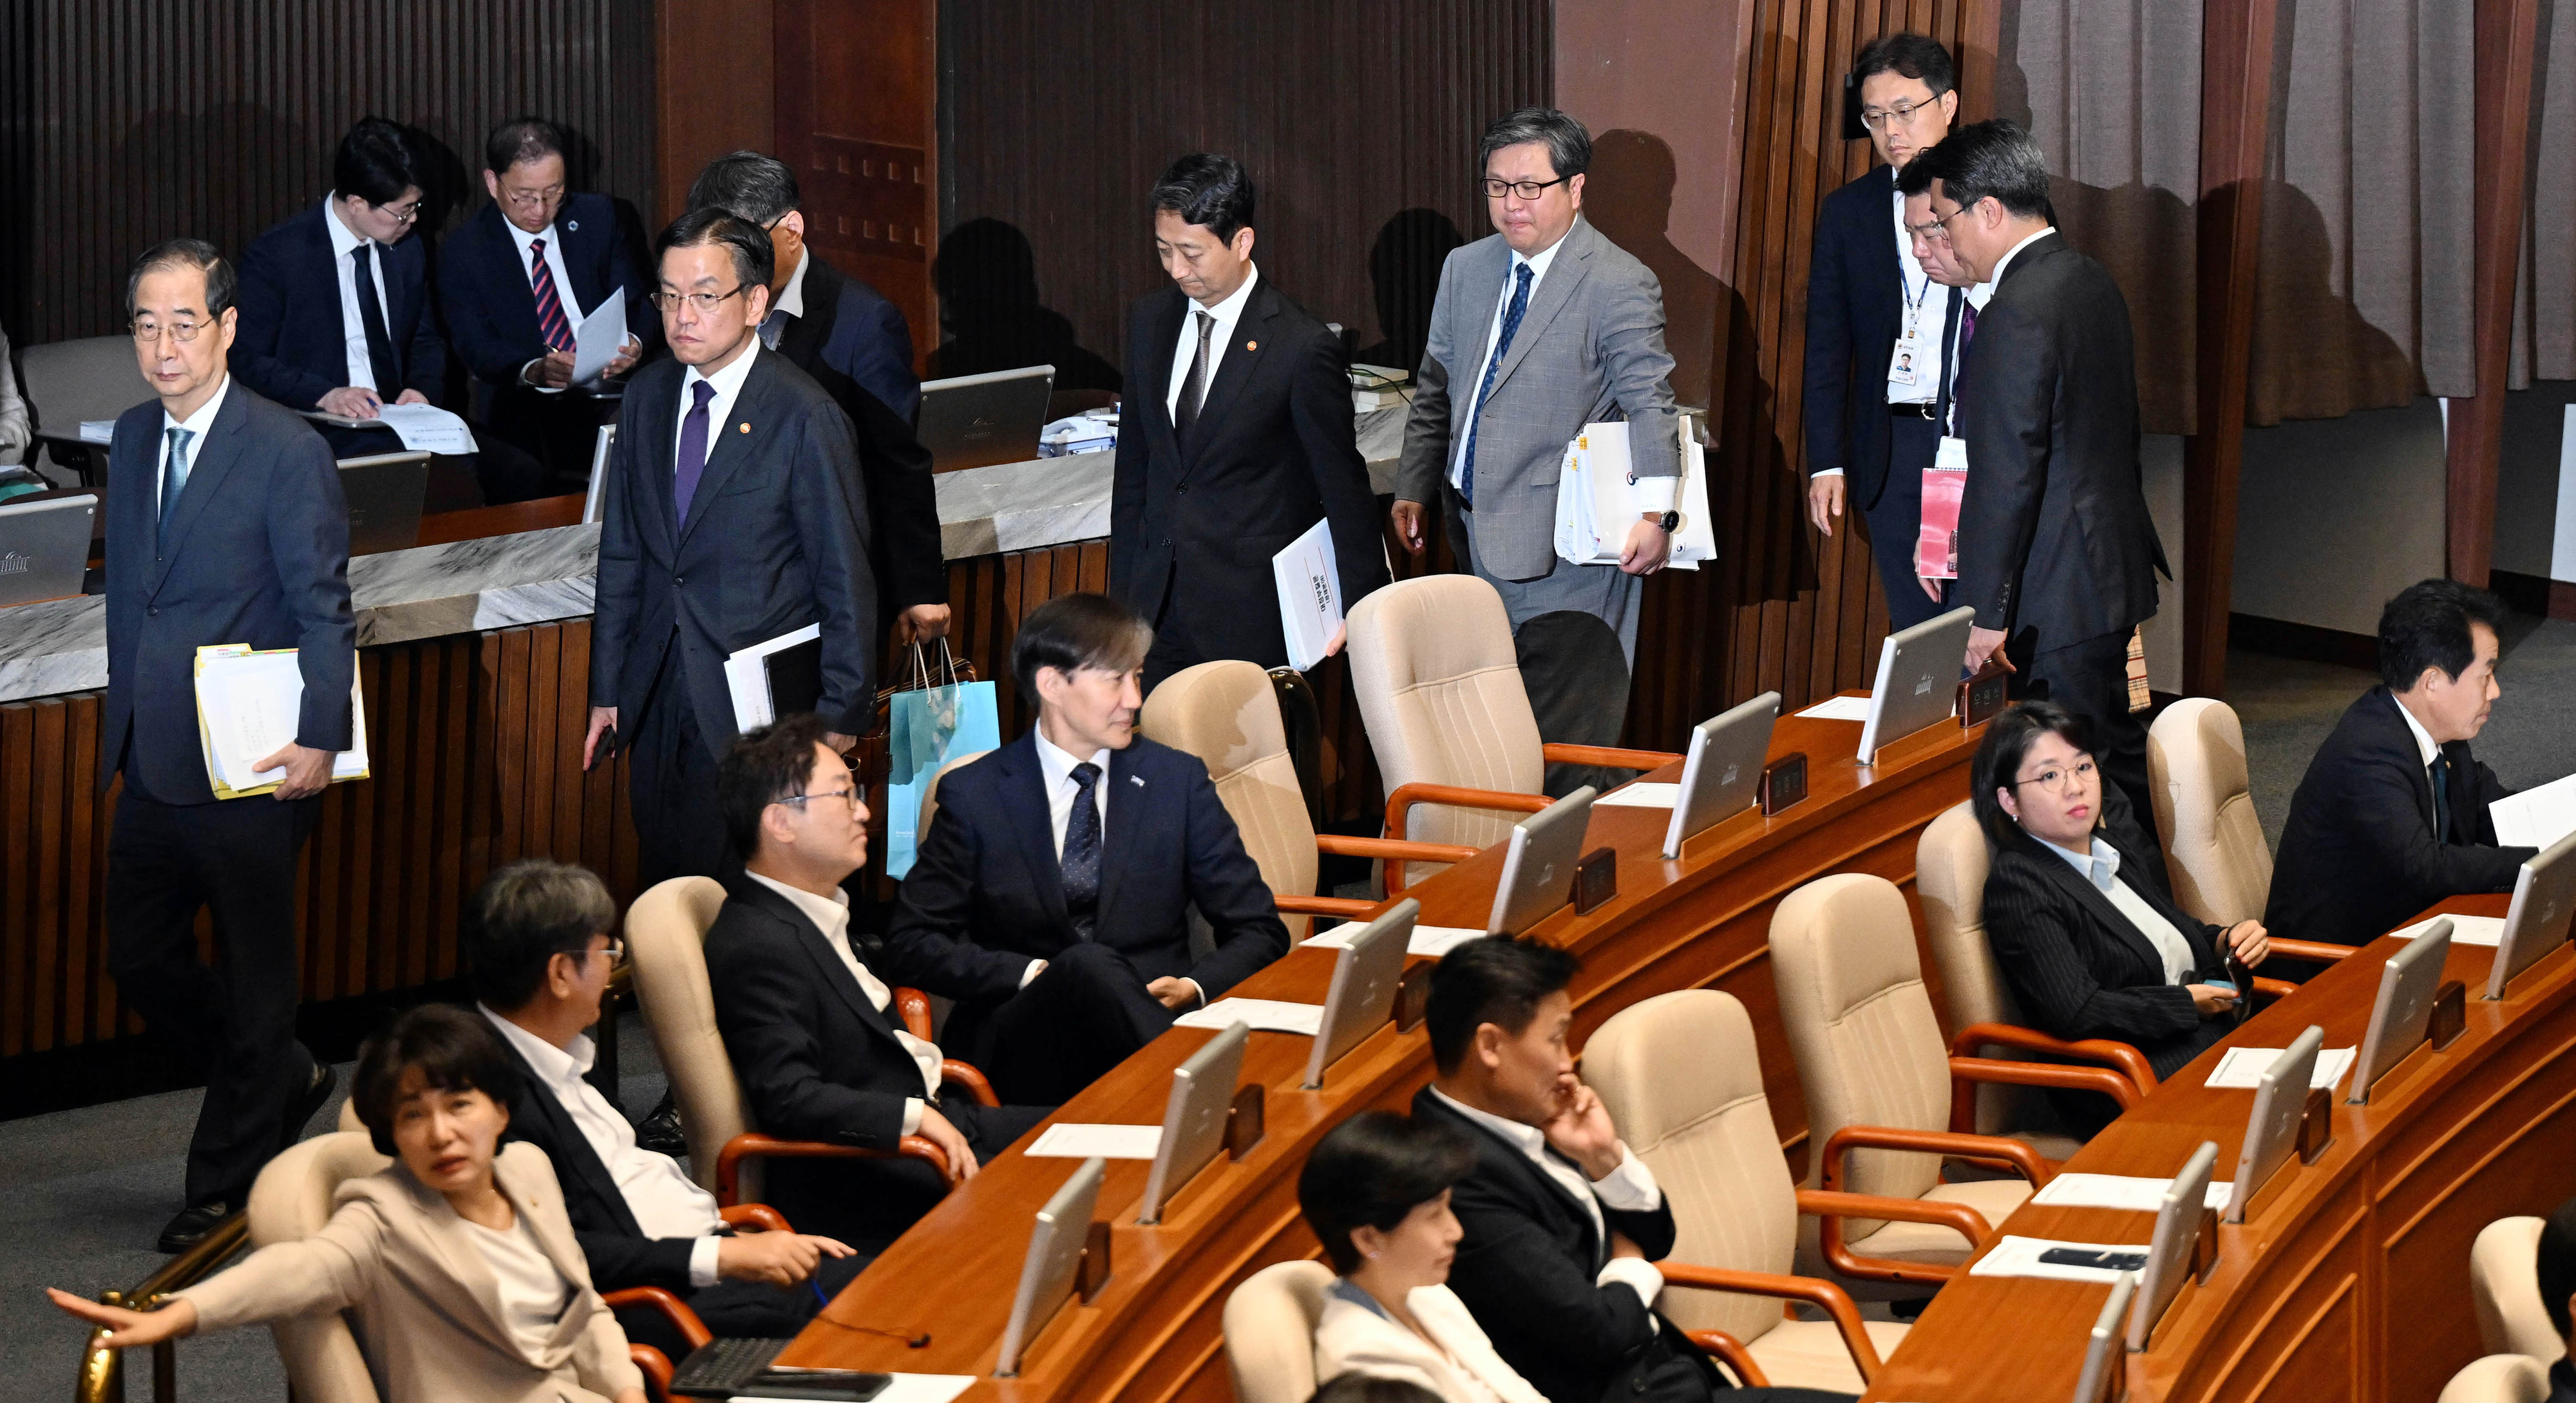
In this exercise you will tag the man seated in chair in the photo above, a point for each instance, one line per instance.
(1563, 1224)
(816, 1043)
(1050, 893)
(536, 939)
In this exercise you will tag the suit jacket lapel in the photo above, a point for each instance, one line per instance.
(1128, 797)
(2031, 253)
(577, 260)
(807, 331)
(551, 1231)
(572, 1148)
(209, 463)
(1535, 1180)
(1565, 273)
(730, 444)
(1025, 796)
(827, 961)
(1160, 354)
(1949, 357)
(450, 1240)
(2097, 901)
(1884, 265)
(1242, 354)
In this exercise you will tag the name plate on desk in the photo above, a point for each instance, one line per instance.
(1981, 698)
(1784, 782)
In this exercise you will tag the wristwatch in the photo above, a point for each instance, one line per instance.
(1667, 520)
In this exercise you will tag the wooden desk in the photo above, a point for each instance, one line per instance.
(2350, 1279)
(1701, 921)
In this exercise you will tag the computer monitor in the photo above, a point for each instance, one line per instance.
(385, 492)
(1918, 680)
(1538, 867)
(1723, 770)
(2105, 1363)
(2272, 1133)
(1362, 996)
(2544, 896)
(1055, 1251)
(2405, 1007)
(973, 421)
(2169, 1251)
(44, 546)
(1194, 1117)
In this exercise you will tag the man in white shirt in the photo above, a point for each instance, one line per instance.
(536, 940)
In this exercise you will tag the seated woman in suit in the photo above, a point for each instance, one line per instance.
(2082, 925)
(1376, 1192)
(431, 1089)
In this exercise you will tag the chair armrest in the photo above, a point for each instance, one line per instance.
(914, 1008)
(1731, 1352)
(2274, 988)
(656, 1366)
(958, 1074)
(759, 1215)
(1829, 1207)
(671, 1307)
(2131, 1062)
(1559, 753)
(1965, 1070)
(754, 1145)
(1401, 802)
(2309, 950)
(1949, 1144)
(1822, 1294)
(1349, 908)
(1392, 849)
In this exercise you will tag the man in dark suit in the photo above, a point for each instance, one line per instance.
(854, 343)
(2056, 551)
(1050, 893)
(225, 525)
(517, 281)
(2392, 815)
(1878, 323)
(335, 310)
(729, 521)
(819, 1051)
(1563, 1223)
(1236, 438)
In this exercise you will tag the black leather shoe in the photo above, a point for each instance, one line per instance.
(299, 1113)
(192, 1225)
(660, 1131)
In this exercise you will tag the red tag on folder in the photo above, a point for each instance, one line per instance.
(1936, 549)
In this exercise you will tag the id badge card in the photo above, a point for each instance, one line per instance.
(1901, 365)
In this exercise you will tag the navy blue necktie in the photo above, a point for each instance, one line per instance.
(691, 459)
(1082, 852)
(1493, 367)
(371, 319)
(2441, 772)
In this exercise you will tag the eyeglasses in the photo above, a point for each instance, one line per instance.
(402, 214)
(1938, 231)
(849, 796)
(531, 199)
(2057, 779)
(1526, 189)
(145, 333)
(705, 302)
(615, 950)
(1902, 114)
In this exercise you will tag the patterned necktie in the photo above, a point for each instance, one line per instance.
(550, 310)
(691, 460)
(1493, 368)
(2441, 774)
(174, 480)
(1082, 852)
(371, 319)
(1194, 388)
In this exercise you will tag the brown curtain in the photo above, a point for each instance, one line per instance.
(2544, 343)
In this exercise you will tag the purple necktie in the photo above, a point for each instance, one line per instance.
(1967, 323)
(692, 458)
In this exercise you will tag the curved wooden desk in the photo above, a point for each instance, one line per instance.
(2350, 1278)
(1153, 1334)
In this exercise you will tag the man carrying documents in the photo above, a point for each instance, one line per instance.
(225, 529)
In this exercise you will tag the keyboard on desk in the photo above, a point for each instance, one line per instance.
(740, 1369)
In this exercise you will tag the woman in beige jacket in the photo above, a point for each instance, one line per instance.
(459, 1266)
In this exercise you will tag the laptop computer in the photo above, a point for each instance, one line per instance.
(44, 546)
(974, 421)
(385, 492)
(1724, 769)
(1918, 680)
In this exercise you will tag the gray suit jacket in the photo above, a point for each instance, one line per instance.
(1590, 348)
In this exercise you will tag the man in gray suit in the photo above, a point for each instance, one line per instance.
(1542, 328)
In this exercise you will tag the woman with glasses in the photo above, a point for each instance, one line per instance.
(2077, 911)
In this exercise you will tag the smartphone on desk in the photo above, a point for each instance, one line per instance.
(2092, 1257)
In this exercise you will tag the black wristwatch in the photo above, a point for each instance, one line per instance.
(1668, 520)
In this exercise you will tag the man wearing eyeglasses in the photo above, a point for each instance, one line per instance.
(730, 517)
(1879, 322)
(335, 311)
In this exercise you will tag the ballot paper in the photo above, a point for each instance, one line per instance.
(1641, 795)
(98, 431)
(2465, 930)
(1073, 1141)
(2019, 1256)
(1839, 709)
(1430, 942)
(1265, 1015)
(426, 428)
(761, 676)
(249, 704)
(2535, 818)
(2243, 1067)
(599, 338)
(2120, 1191)
(1310, 594)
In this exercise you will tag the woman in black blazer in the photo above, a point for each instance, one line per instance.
(2099, 951)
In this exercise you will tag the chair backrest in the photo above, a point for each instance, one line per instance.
(666, 934)
(1683, 1083)
(1861, 1027)
(1226, 714)
(2214, 848)
(930, 789)
(1950, 865)
(2499, 1378)
(92, 378)
(1439, 688)
(2504, 1286)
(1270, 1330)
(292, 1199)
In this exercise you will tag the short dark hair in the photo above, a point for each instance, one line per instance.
(1569, 146)
(1213, 192)
(522, 917)
(1372, 1170)
(1074, 631)
(523, 139)
(1498, 980)
(747, 185)
(2427, 625)
(1355, 1387)
(1907, 55)
(1993, 157)
(753, 257)
(2557, 1265)
(2009, 738)
(760, 768)
(454, 1051)
(222, 284)
(376, 163)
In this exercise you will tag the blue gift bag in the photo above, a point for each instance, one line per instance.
(926, 728)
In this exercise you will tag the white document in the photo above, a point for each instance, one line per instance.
(2120, 1191)
(2535, 818)
(2243, 1067)
(2019, 1256)
(599, 338)
(1310, 594)
(1265, 1015)
(426, 428)
(747, 677)
(1430, 942)
(98, 431)
(1065, 1141)
(1596, 498)
(2465, 930)
(1641, 795)
(911, 1388)
(1839, 709)
(249, 704)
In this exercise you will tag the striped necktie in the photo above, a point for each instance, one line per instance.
(550, 308)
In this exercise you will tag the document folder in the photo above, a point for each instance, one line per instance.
(248, 704)
(778, 678)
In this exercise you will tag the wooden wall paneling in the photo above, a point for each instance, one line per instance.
(857, 116)
(18, 820)
(84, 820)
(46, 797)
(2505, 49)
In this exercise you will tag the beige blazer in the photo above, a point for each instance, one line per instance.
(1353, 1338)
(423, 1302)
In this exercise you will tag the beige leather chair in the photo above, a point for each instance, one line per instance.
(1683, 1083)
(1227, 715)
(1270, 1329)
(2504, 1286)
(2214, 848)
(2499, 1378)
(1439, 688)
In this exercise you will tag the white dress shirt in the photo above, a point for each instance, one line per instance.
(666, 1202)
(789, 304)
(196, 424)
(2101, 867)
(564, 295)
(728, 383)
(1225, 314)
(1630, 1188)
(1978, 295)
(831, 916)
(345, 241)
(531, 1293)
(2424, 742)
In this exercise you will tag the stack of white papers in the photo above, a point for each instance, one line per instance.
(1073, 1141)
(2120, 1191)
(1596, 501)
(1839, 709)
(2243, 1067)
(1430, 942)
(1310, 594)
(598, 339)
(2019, 1256)
(2465, 930)
(2535, 818)
(747, 677)
(1266, 1015)
(249, 705)
(1641, 795)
